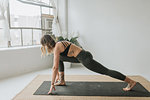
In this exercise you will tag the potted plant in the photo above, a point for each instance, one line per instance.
(71, 37)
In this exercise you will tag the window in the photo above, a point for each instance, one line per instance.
(37, 34)
(27, 36)
(24, 15)
(28, 22)
(3, 42)
(15, 35)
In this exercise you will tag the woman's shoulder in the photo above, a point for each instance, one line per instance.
(58, 43)
(57, 47)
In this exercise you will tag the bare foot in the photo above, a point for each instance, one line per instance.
(60, 83)
(129, 86)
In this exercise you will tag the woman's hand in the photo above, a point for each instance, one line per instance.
(50, 91)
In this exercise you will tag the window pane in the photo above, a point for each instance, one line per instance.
(46, 1)
(24, 15)
(37, 34)
(15, 35)
(45, 10)
(51, 10)
(27, 36)
(3, 40)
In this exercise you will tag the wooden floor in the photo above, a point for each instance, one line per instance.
(27, 92)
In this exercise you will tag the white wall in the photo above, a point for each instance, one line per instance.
(63, 15)
(16, 61)
(116, 32)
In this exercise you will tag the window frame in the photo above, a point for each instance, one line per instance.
(32, 28)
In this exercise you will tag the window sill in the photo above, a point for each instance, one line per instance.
(18, 48)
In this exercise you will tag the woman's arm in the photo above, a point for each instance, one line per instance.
(55, 68)
(56, 64)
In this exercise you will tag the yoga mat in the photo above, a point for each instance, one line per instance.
(73, 88)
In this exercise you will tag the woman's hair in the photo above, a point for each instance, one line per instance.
(48, 41)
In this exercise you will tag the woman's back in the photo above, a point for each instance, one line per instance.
(69, 49)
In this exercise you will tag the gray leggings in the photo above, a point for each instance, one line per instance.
(86, 58)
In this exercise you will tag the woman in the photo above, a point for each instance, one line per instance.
(66, 51)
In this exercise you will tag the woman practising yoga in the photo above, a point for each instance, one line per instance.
(67, 51)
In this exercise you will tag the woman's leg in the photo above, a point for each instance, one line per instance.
(66, 59)
(60, 71)
(60, 76)
(86, 58)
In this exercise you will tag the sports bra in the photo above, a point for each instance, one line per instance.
(65, 52)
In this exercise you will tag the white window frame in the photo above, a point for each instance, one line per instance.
(44, 31)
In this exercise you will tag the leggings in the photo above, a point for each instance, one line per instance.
(86, 58)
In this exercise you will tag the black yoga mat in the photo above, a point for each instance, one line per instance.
(93, 89)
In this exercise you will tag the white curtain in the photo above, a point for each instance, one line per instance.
(56, 29)
(4, 26)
